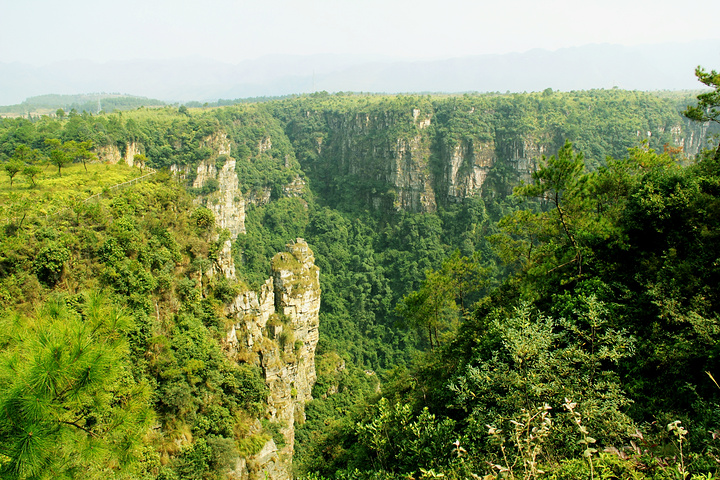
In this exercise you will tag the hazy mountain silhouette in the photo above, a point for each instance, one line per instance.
(649, 67)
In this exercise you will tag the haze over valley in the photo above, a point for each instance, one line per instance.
(230, 50)
(647, 67)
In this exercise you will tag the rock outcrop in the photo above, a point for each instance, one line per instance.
(389, 170)
(277, 328)
(112, 154)
(467, 167)
(396, 160)
(410, 154)
(224, 198)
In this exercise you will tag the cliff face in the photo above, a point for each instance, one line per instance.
(112, 154)
(226, 202)
(277, 328)
(418, 153)
(408, 171)
(415, 154)
(467, 167)
(384, 155)
(690, 136)
(404, 161)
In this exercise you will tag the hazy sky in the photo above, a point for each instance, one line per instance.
(44, 31)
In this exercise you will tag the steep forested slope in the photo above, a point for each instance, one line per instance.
(597, 358)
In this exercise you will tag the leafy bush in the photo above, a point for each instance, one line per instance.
(203, 218)
(50, 261)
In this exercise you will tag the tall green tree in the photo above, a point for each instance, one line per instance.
(79, 151)
(444, 296)
(12, 168)
(708, 106)
(558, 181)
(22, 158)
(430, 308)
(24, 154)
(32, 172)
(69, 406)
(58, 155)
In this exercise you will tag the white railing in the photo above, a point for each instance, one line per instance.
(119, 185)
(91, 197)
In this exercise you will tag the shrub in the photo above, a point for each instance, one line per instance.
(49, 263)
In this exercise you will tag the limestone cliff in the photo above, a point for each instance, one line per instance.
(414, 155)
(112, 154)
(277, 328)
(224, 198)
(387, 152)
(405, 160)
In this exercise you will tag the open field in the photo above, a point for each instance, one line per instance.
(53, 193)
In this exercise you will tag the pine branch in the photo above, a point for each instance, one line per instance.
(73, 424)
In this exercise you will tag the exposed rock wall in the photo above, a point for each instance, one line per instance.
(227, 202)
(225, 262)
(467, 167)
(111, 154)
(392, 169)
(417, 158)
(409, 173)
(397, 161)
(297, 297)
(181, 172)
(205, 171)
(693, 143)
(277, 328)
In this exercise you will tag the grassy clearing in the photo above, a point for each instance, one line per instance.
(54, 192)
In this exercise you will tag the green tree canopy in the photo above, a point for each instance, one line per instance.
(12, 168)
(69, 404)
(58, 155)
(708, 106)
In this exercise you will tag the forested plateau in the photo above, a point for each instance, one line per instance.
(363, 286)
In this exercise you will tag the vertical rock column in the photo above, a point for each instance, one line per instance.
(297, 297)
(278, 328)
(291, 375)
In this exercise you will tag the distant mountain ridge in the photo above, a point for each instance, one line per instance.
(92, 102)
(649, 67)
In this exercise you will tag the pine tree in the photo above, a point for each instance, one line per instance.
(68, 403)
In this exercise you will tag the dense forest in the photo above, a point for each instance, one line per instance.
(513, 286)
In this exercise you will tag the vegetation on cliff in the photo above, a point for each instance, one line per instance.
(111, 364)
